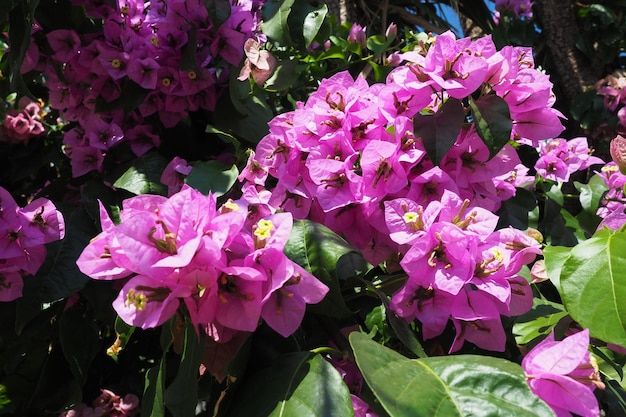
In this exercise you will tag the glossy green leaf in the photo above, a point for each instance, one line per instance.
(318, 249)
(554, 258)
(144, 175)
(181, 396)
(212, 176)
(439, 131)
(538, 322)
(79, 341)
(313, 22)
(492, 120)
(593, 285)
(275, 17)
(446, 386)
(298, 384)
(400, 327)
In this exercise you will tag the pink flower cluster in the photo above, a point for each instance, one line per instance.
(613, 89)
(564, 375)
(459, 269)
(107, 404)
(23, 233)
(559, 158)
(520, 9)
(226, 264)
(354, 380)
(612, 204)
(21, 125)
(169, 53)
(352, 146)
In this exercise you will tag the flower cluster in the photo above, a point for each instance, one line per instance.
(612, 204)
(23, 233)
(564, 375)
(459, 269)
(613, 89)
(21, 125)
(166, 58)
(225, 264)
(107, 404)
(520, 9)
(352, 146)
(559, 158)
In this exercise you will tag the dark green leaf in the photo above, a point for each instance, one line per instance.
(275, 15)
(144, 175)
(492, 120)
(313, 22)
(284, 76)
(318, 249)
(514, 211)
(606, 14)
(153, 402)
(59, 276)
(593, 285)
(181, 397)
(556, 230)
(400, 327)
(447, 386)
(439, 131)
(79, 340)
(298, 384)
(212, 176)
(248, 119)
(538, 322)
(21, 19)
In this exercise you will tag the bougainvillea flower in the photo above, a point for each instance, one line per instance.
(564, 375)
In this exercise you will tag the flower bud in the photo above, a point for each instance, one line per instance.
(618, 152)
(392, 31)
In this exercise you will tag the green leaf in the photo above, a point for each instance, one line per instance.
(298, 384)
(514, 211)
(318, 249)
(593, 285)
(21, 19)
(446, 386)
(492, 120)
(144, 175)
(153, 402)
(59, 277)
(247, 119)
(284, 76)
(79, 341)
(275, 15)
(606, 15)
(400, 327)
(554, 258)
(439, 131)
(212, 176)
(313, 22)
(378, 44)
(557, 232)
(538, 322)
(181, 397)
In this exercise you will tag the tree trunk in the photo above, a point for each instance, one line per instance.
(574, 72)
